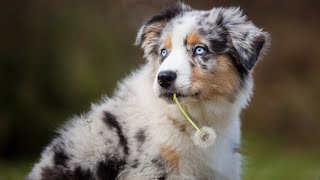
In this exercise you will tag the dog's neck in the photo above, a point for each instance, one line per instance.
(216, 114)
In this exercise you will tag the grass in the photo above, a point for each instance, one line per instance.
(265, 159)
(14, 170)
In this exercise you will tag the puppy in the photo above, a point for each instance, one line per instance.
(207, 59)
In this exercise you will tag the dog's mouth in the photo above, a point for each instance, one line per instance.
(169, 95)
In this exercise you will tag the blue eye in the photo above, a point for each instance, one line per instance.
(163, 53)
(199, 50)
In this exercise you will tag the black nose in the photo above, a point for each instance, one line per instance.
(166, 78)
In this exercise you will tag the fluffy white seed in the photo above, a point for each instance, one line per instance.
(205, 137)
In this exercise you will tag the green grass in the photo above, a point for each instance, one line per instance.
(14, 170)
(272, 160)
(265, 159)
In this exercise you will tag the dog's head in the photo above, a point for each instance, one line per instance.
(201, 54)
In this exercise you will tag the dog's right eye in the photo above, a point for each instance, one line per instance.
(199, 50)
(163, 53)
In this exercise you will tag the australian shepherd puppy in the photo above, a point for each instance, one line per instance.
(206, 58)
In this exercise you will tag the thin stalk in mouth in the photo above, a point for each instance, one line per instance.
(183, 112)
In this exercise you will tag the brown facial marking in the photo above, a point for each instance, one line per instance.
(167, 43)
(223, 80)
(171, 157)
(152, 32)
(193, 39)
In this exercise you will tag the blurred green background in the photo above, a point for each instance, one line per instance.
(56, 57)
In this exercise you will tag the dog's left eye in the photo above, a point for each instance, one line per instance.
(199, 50)
(163, 53)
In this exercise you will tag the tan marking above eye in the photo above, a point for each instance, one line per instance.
(151, 32)
(168, 43)
(194, 38)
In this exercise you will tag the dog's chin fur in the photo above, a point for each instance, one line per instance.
(140, 133)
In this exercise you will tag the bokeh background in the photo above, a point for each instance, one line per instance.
(58, 56)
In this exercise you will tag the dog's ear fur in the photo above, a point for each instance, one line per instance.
(248, 41)
(150, 31)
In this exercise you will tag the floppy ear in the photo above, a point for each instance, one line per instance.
(248, 41)
(150, 31)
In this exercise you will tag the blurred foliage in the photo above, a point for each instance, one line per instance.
(58, 56)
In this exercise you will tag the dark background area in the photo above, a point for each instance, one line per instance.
(56, 57)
